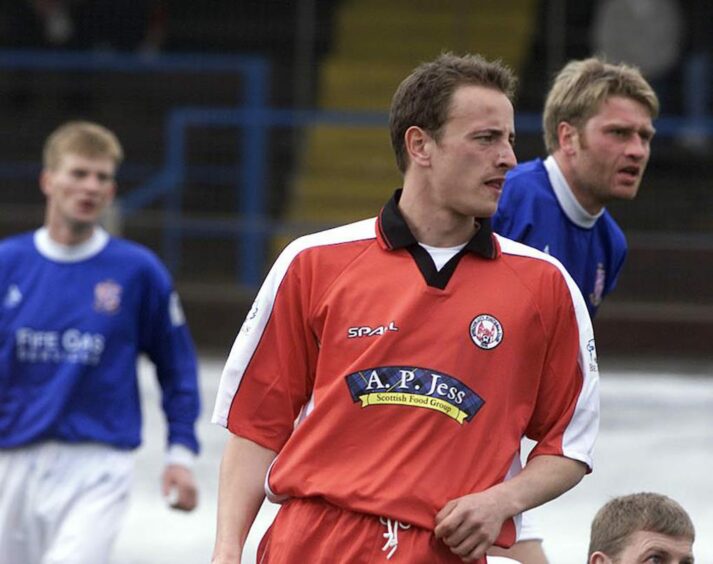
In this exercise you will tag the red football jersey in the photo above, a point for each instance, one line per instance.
(390, 388)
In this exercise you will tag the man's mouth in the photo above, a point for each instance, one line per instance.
(630, 172)
(496, 183)
(87, 206)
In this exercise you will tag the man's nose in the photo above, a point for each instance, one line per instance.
(506, 157)
(637, 148)
(93, 182)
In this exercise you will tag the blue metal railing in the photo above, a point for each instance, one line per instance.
(168, 182)
(253, 117)
(255, 228)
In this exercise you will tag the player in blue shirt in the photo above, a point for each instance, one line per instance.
(77, 308)
(598, 128)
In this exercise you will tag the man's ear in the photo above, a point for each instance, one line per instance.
(568, 138)
(599, 558)
(45, 181)
(112, 194)
(418, 145)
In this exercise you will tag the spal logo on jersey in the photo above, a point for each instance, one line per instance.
(414, 387)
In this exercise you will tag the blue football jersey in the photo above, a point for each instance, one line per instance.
(537, 208)
(73, 321)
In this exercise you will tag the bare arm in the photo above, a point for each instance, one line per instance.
(470, 524)
(240, 494)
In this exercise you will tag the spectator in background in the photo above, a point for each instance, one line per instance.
(641, 527)
(77, 308)
(697, 74)
(647, 34)
(138, 25)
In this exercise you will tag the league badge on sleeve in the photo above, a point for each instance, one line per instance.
(175, 310)
(595, 298)
(486, 332)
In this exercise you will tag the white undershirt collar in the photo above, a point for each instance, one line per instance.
(441, 255)
(53, 250)
(569, 204)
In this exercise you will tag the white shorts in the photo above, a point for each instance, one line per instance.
(62, 503)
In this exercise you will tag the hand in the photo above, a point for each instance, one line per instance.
(179, 486)
(470, 524)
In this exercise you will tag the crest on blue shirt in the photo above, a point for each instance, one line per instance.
(107, 297)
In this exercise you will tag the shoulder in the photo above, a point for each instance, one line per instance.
(348, 238)
(363, 230)
(527, 173)
(324, 254)
(16, 244)
(531, 263)
(608, 223)
(510, 248)
(132, 251)
(136, 257)
(527, 196)
(539, 270)
(525, 185)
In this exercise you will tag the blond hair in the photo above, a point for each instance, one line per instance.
(83, 138)
(580, 88)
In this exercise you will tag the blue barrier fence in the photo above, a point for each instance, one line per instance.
(252, 116)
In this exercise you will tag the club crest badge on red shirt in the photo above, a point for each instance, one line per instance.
(486, 332)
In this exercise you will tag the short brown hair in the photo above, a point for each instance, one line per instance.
(82, 138)
(580, 88)
(623, 516)
(424, 97)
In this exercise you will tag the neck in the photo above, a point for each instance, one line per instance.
(432, 225)
(70, 235)
(577, 187)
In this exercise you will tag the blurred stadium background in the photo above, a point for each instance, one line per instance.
(248, 122)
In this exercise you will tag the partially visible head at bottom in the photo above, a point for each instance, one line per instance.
(641, 528)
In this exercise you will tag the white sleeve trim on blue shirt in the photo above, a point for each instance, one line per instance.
(569, 204)
(181, 456)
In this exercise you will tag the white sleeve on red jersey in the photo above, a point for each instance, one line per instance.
(281, 286)
(571, 327)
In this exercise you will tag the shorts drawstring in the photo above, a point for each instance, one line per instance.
(392, 534)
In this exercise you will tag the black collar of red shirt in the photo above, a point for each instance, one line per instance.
(397, 235)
